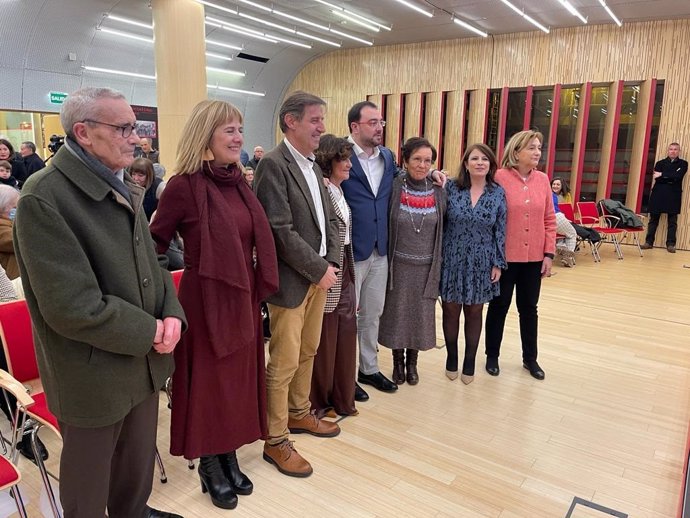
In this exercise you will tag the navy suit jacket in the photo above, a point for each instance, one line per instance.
(369, 212)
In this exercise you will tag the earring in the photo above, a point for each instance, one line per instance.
(208, 155)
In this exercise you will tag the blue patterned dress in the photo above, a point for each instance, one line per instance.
(473, 242)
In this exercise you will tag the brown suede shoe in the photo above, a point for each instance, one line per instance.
(314, 426)
(646, 246)
(284, 457)
(671, 249)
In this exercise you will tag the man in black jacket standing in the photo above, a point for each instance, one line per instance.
(32, 162)
(666, 196)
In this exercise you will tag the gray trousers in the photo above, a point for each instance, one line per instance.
(371, 277)
(111, 466)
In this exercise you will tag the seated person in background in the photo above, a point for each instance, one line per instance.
(141, 172)
(6, 177)
(158, 170)
(32, 162)
(8, 208)
(560, 188)
(565, 247)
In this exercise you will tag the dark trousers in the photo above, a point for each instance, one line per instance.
(111, 466)
(335, 364)
(654, 223)
(525, 279)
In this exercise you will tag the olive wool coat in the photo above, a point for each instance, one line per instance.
(94, 287)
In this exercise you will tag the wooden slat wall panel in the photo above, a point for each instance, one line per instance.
(413, 112)
(475, 132)
(638, 160)
(432, 118)
(393, 123)
(610, 136)
(454, 124)
(595, 53)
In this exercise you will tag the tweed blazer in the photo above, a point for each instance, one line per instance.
(284, 193)
(94, 287)
(333, 295)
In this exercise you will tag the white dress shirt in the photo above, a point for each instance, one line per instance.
(306, 165)
(373, 165)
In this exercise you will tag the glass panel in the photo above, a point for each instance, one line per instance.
(494, 111)
(515, 119)
(624, 142)
(542, 104)
(595, 138)
(653, 139)
(566, 132)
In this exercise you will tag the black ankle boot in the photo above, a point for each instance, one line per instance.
(411, 366)
(239, 482)
(24, 447)
(214, 482)
(398, 366)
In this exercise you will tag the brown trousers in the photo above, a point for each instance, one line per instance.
(295, 336)
(111, 466)
(335, 365)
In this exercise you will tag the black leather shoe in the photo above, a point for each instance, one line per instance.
(155, 513)
(378, 381)
(360, 394)
(24, 447)
(492, 366)
(239, 482)
(535, 370)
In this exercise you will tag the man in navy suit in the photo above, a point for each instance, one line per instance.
(368, 193)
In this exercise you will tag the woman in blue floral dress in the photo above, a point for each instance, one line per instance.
(473, 253)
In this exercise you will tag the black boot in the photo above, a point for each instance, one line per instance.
(214, 483)
(411, 365)
(398, 366)
(239, 482)
(24, 447)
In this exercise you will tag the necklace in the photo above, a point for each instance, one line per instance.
(407, 202)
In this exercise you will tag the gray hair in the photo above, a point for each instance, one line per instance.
(81, 105)
(8, 194)
(30, 145)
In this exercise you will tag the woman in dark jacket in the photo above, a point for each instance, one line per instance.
(7, 153)
(141, 172)
(219, 385)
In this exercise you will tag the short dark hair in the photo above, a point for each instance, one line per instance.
(30, 145)
(331, 148)
(412, 144)
(6, 165)
(9, 146)
(295, 105)
(356, 112)
(463, 180)
(145, 166)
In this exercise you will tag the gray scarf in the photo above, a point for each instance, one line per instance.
(99, 168)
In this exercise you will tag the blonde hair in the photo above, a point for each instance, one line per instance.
(517, 143)
(193, 147)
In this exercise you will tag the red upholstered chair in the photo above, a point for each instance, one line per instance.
(633, 231)
(569, 213)
(177, 277)
(604, 224)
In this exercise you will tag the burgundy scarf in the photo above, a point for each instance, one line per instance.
(227, 300)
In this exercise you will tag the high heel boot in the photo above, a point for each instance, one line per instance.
(214, 483)
(411, 365)
(239, 482)
(398, 366)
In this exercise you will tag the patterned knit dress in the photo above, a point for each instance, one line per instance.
(409, 319)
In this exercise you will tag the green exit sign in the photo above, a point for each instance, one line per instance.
(57, 97)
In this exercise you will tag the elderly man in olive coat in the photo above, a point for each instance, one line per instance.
(105, 314)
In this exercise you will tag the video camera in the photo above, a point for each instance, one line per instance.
(56, 142)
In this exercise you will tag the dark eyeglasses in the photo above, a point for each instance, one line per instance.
(373, 123)
(126, 129)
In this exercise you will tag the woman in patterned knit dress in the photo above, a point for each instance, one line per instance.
(408, 323)
(474, 237)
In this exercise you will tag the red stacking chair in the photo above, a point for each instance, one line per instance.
(9, 474)
(633, 231)
(589, 216)
(177, 277)
(569, 213)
